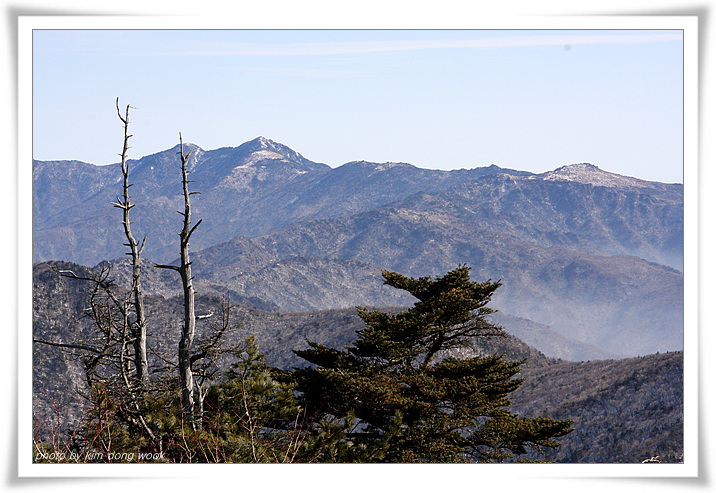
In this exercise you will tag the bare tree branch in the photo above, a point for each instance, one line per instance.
(83, 347)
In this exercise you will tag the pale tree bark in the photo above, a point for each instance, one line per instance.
(186, 378)
(139, 330)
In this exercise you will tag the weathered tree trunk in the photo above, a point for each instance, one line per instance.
(186, 377)
(139, 329)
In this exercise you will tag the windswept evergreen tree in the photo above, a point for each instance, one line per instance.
(400, 394)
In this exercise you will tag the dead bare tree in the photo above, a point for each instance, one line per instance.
(139, 327)
(120, 338)
(186, 378)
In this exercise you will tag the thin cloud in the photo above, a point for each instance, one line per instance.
(367, 47)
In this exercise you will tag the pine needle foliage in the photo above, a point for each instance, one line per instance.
(401, 396)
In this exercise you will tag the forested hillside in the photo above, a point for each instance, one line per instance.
(625, 410)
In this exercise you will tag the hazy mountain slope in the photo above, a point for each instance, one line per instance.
(621, 303)
(550, 342)
(301, 284)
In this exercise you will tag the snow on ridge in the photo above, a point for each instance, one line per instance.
(390, 165)
(261, 155)
(589, 174)
(282, 150)
(195, 155)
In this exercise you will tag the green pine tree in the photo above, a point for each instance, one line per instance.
(255, 416)
(399, 393)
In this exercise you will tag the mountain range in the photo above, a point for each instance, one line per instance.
(590, 264)
(262, 186)
(593, 257)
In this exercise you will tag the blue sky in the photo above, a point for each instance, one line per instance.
(532, 99)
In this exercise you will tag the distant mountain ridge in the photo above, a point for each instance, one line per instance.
(592, 255)
(262, 186)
